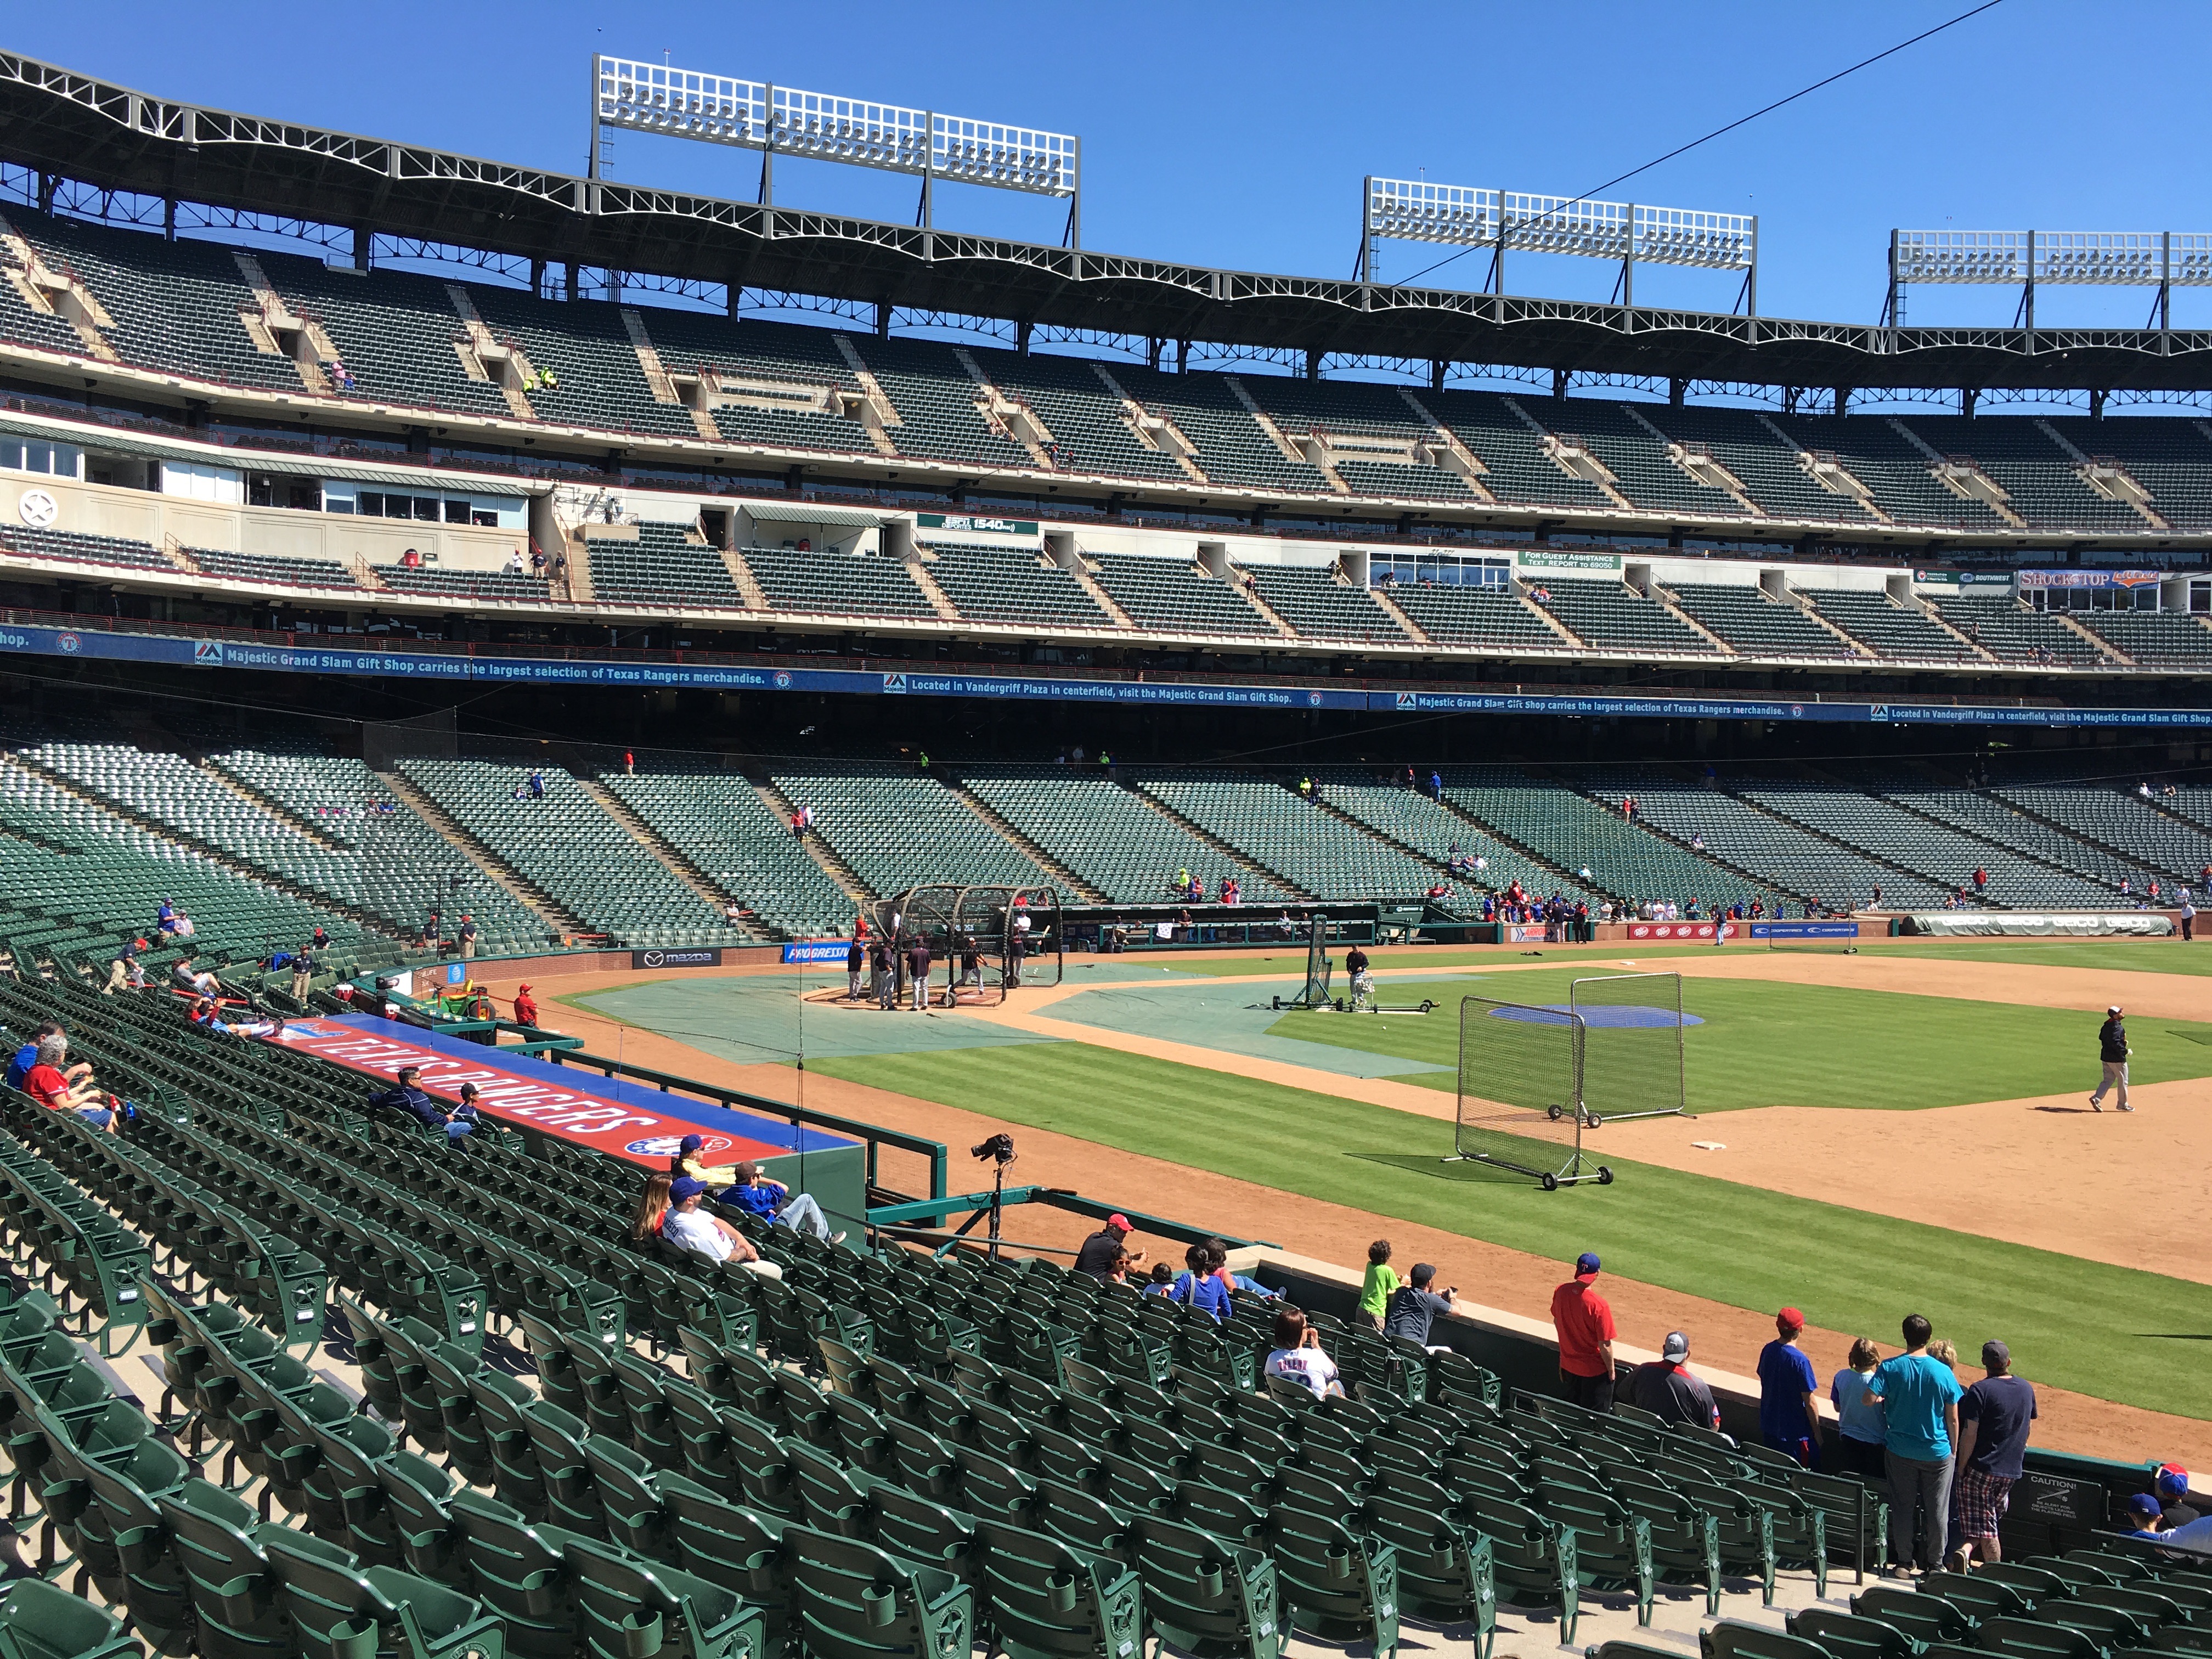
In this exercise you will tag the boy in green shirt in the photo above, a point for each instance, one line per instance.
(1375, 1289)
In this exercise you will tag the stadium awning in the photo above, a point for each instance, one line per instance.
(809, 513)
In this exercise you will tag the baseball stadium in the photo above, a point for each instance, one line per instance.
(735, 933)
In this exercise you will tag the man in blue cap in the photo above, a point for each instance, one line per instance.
(1583, 1320)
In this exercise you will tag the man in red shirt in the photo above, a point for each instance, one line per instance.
(1583, 1320)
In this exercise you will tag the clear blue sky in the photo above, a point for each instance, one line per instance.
(1238, 135)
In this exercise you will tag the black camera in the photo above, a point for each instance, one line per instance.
(1000, 1146)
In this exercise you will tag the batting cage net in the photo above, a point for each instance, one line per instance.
(1632, 1046)
(1521, 1091)
(983, 941)
(1318, 968)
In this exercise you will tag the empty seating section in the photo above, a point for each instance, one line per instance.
(801, 370)
(1103, 832)
(836, 584)
(2167, 457)
(1436, 832)
(1764, 464)
(2010, 632)
(567, 845)
(175, 305)
(1571, 832)
(281, 568)
(663, 565)
(1878, 621)
(1756, 625)
(1493, 617)
(1169, 597)
(1322, 605)
(2154, 842)
(1992, 819)
(1011, 585)
(2154, 639)
(79, 548)
(395, 332)
(1892, 467)
(1232, 448)
(588, 373)
(1776, 851)
(1520, 472)
(519, 587)
(1613, 616)
(2034, 472)
(406, 868)
(1947, 856)
(1638, 460)
(719, 822)
(1314, 849)
(22, 324)
(897, 829)
(1305, 409)
(936, 405)
(1089, 433)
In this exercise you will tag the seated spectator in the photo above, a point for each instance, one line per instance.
(1670, 1391)
(26, 1057)
(408, 1097)
(76, 1092)
(1197, 1286)
(2172, 1489)
(1106, 1254)
(687, 1226)
(165, 918)
(1414, 1306)
(1297, 1356)
(743, 1187)
(1162, 1281)
(2143, 1515)
(465, 1111)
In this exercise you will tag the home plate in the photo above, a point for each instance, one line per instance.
(1709, 1146)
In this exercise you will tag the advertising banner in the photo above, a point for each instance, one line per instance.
(972, 524)
(1804, 930)
(820, 949)
(692, 956)
(2090, 578)
(1681, 929)
(1558, 562)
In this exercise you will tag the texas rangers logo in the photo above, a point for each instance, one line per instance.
(69, 642)
(782, 680)
(669, 1145)
(1313, 698)
(1797, 711)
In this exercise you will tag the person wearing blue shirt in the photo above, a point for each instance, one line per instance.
(19, 1063)
(1919, 1400)
(1789, 1421)
(1199, 1287)
(1859, 1427)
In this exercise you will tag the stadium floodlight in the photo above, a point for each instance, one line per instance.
(1460, 216)
(2163, 260)
(721, 109)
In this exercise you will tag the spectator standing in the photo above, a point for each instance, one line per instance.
(1376, 1287)
(629, 764)
(1297, 1356)
(1859, 1419)
(2112, 1053)
(1436, 787)
(1788, 1420)
(1993, 1419)
(1582, 1319)
(1103, 1254)
(1919, 1401)
(303, 977)
(1670, 1391)
(537, 784)
(1414, 1306)
(526, 1006)
(468, 937)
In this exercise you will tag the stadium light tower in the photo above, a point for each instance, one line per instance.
(1459, 216)
(2163, 260)
(719, 109)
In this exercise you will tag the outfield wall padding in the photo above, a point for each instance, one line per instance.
(2055, 924)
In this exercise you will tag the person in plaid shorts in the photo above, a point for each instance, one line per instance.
(1993, 1419)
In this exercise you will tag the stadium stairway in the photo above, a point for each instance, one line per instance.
(999, 825)
(207, 849)
(1234, 854)
(526, 892)
(654, 842)
(823, 854)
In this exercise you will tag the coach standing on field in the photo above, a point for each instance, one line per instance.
(2113, 1051)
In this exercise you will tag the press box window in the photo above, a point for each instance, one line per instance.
(36, 455)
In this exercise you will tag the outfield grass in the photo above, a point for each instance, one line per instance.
(1765, 1043)
(2108, 1332)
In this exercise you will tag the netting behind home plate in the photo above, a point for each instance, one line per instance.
(1520, 1086)
(1632, 1046)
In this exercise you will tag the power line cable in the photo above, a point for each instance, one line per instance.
(1744, 120)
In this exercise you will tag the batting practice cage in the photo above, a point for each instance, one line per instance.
(1536, 1078)
(1012, 936)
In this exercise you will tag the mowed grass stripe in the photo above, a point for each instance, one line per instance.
(1765, 1043)
(2107, 1331)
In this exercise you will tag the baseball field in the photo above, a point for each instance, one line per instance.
(1902, 1129)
